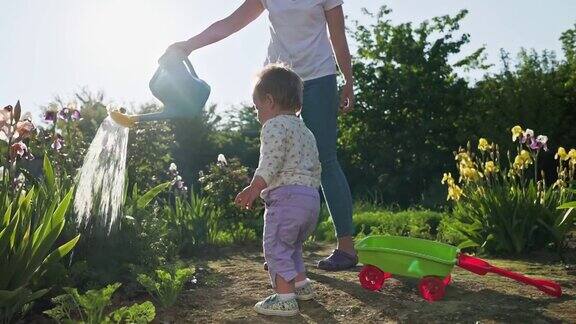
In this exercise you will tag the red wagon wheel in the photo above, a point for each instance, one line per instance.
(448, 280)
(372, 278)
(432, 288)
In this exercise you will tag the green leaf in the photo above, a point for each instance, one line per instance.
(48, 172)
(151, 194)
(571, 204)
(467, 244)
(60, 252)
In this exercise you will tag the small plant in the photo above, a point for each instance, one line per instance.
(165, 284)
(90, 307)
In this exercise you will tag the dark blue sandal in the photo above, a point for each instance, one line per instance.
(338, 260)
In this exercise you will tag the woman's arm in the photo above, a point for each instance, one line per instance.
(240, 18)
(336, 26)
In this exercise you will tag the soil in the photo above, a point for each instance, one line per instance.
(230, 281)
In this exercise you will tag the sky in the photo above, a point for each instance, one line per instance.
(57, 47)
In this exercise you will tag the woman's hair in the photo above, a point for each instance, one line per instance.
(283, 84)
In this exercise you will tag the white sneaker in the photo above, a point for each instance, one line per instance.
(272, 305)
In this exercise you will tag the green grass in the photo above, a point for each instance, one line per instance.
(373, 220)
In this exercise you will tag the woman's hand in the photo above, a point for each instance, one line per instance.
(183, 48)
(347, 98)
(336, 26)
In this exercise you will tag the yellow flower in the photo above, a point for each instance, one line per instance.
(525, 155)
(516, 132)
(483, 145)
(490, 167)
(559, 184)
(467, 173)
(561, 154)
(522, 160)
(462, 156)
(447, 178)
(572, 154)
(454, 193)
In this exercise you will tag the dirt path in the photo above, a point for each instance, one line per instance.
(232, 280)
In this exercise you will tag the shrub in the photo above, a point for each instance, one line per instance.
(423, 224)
(221, 183)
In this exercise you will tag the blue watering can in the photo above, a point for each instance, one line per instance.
(177, 86)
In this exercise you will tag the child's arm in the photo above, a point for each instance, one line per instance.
(246, 197)
(272, 155)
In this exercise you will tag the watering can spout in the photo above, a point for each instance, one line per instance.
(177, 86)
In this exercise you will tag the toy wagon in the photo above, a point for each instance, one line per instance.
(429, 261)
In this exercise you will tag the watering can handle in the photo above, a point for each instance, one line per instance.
(481, 267)
(190, 67)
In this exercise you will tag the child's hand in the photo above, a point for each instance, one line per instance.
(246, 197)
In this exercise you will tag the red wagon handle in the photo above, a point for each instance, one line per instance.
(482, 267)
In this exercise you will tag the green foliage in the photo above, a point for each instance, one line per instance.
(417, 223)
(195, 223)
(504, 218)
(410, 106)
(90, 308)
(150, 148)
(137, 313)
(143, 240)
(27, 239)
(535, 90)
(221, 183)
(239, 136)
(196, 144)
(166, 284)
(503, 209)
(413, 106)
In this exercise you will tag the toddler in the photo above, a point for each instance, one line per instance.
(287, 178)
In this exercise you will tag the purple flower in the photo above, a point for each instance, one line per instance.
(57, 143)
(539, 143)
(18, 150)
(50, 116)
(64, 114)
(527, 136)
(76, 115)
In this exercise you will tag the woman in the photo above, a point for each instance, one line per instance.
(299, 39)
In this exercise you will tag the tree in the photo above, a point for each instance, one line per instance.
(411, 106)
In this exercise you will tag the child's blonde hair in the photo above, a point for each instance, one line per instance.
(283, 84)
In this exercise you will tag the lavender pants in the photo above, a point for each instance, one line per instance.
(290, 217)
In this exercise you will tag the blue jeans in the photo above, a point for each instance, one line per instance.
(320, 112)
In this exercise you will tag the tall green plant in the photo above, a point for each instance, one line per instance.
(27, 238)
(195, 223)
(510, 208)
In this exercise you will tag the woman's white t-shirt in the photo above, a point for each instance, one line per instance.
(299, 37)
